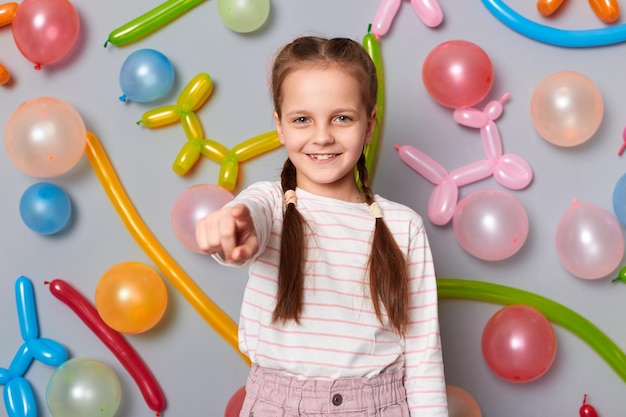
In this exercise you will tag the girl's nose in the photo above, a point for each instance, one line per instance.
(323, 135)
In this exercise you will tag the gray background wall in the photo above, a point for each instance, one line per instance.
(197, 370)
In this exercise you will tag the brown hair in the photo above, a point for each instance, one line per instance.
(387, 264)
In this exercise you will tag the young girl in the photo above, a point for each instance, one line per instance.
(340, 314)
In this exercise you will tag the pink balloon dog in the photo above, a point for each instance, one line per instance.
(509, 170)
(427, 10)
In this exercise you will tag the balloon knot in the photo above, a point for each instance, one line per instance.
(574, 202)
(37, 67)
(138, 122)
(123, 97)
(46, 283)
(106, 43)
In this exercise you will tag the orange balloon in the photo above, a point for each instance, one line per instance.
(566, 108)
(547, 7)
(461, 403)
(606, 10)
(131, 297)
(5, 75)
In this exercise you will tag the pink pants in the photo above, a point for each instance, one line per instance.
(270, 394)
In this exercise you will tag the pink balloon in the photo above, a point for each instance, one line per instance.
(442, 202)
(193, 204)
(457, 73)
(235, 403)
(512, 172)
(490, 224)
(428, 11)
(45, 137)
(518, 343)
(385, 14)
(461, 403)
(45, 30)
(589, 241)
(566, 108)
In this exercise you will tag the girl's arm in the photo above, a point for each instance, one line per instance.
(424, 372)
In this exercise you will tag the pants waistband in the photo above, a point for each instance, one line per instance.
(326, 396)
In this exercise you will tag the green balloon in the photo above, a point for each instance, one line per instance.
(83, 387)
(243, 15)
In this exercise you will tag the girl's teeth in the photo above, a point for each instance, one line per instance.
(322, 157)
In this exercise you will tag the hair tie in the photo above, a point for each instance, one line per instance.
(290, 197)
(375, 211)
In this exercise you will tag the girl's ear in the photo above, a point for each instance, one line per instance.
(279, 128)
(371, 124)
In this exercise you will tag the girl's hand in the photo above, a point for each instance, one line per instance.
(228, 232)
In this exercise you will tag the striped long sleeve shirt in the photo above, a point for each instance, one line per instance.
(338, 334)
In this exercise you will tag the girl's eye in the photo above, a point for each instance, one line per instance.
(300, 120)
(343, 119)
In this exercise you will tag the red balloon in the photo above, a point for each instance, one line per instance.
(235, 403)
(457, 74)
(518, 343)
(123, 351)
(587, 410)
(45, 30)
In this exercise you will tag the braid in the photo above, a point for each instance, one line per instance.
(292, 253)
(387, 265)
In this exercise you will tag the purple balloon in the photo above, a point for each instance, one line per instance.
(490, 224)
(193, 204)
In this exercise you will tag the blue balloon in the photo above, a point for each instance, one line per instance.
(146, 75)
(19, 398)
(26, 310)
(553, 36)
(21, 361)
(619, 200)
(47, 351)
(45, 208)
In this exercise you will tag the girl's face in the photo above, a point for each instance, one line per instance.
(324, 126)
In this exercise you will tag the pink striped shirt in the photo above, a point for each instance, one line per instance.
(339, 334)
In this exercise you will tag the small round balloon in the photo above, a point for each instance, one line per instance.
(243, 15)
(461, 403)
(45, 208)
(131, 297)
(566, 108)
(193, 204)
(518, 343)
(146, 75)
(83, 387)
(589, 241)
(457, 73)
(45, 137)
(235, 403)
(490, 224)
(619, 200)
(45, 30)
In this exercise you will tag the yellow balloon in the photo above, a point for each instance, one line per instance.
(256, 146)
(195, 93)
(187, 157)
(192, 126)
(213, 150)
(161, 116)
(229, 171)
(131, 297)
